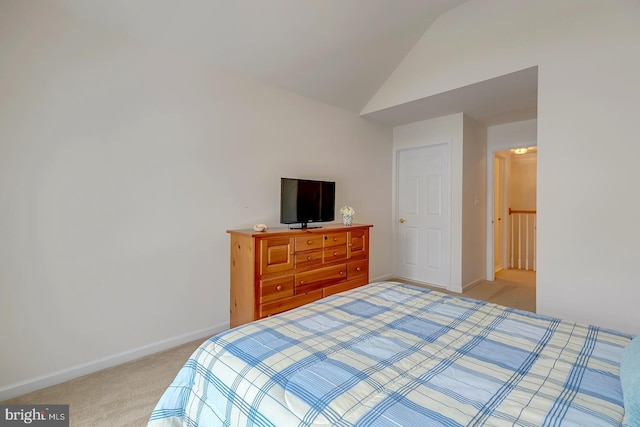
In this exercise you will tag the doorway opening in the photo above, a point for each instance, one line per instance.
(511, 249)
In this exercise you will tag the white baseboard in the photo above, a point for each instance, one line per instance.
(380, 278)
(37, 383)
(474, 283)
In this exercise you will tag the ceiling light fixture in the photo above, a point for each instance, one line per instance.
(520, 150)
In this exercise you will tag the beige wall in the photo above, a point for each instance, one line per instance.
(449, 130)
(522, 183)
(586, 53)
(474, 207)
(468, 184)
(121, 167)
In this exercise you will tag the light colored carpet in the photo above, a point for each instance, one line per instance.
(512, 288)
(126, 394)
(123, 395)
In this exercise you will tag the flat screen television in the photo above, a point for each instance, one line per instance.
(304, 201)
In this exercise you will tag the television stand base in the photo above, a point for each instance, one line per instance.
(303, 226)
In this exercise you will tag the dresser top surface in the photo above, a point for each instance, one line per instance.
(325, 228)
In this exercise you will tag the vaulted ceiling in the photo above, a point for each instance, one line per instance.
(335, 51)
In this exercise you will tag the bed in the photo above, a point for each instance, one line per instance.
(391, 354)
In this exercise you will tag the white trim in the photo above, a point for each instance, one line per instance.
(37, 383)
(383, 278)
(491, 152)
(473, 284)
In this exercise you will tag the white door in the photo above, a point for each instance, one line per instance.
(424, 214)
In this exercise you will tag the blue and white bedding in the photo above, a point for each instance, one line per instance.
(389, 354)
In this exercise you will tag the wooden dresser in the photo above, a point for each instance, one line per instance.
(281, 269)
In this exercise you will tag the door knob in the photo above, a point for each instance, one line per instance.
(402, 220)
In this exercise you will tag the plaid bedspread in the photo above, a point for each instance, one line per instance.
(390, 354)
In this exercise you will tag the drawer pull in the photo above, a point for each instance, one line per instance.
(335, 254)
(342, 273)
(302, 282)
(309, 242)
(279, 288)
(309, 258)
(358, 269)
(335, 239)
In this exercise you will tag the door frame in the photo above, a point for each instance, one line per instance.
(394, 194)
(503, 203)
(491, 153)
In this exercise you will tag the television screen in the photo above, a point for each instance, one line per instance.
(303, 201)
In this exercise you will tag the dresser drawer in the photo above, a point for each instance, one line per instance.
(306, 243)
(275, 289)
(276, 255)
(358, 244)
(344, 286)
(357, 269)
(289, 303)
(338, 253)
(335, 239)
(309, 258)
(317, 279)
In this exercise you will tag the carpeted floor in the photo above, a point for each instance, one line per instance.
(123, 395)
(512, 288)
(126, 394)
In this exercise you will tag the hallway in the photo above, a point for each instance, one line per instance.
(512, 288)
